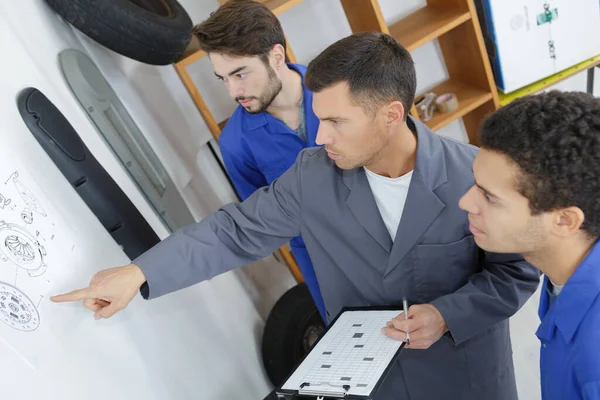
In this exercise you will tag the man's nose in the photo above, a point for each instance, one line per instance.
(323, 136)
(468, 201)
(235, 90)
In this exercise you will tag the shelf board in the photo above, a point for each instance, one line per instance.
(192, 58)
(276, 6)
(427, 24)
(280, 6)
(469, 98)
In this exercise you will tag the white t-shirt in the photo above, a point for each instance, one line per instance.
(556, 289)
(390, 196)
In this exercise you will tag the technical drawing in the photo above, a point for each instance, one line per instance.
(17, 310)
(3, 201)
(27, 196)
(27, 216)
(19, 246)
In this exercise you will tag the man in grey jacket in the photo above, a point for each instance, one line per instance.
(377, 207)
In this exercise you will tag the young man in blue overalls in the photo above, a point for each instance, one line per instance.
(537, 182)
(274, 120)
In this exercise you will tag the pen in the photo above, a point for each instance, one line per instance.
(405, 306)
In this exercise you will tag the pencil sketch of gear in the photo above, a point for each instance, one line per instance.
(28, 197)
(19, 246)
(17, 310)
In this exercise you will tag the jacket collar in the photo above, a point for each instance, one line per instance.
(575, 300)
(429, 164)
(429, 173)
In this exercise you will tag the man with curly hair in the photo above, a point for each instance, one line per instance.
(537, 180)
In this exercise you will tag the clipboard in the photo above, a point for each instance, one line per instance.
(349, 361)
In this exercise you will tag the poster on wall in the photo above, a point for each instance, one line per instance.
(34, 241)
(529, 40)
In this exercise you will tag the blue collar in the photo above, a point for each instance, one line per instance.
(573, 303)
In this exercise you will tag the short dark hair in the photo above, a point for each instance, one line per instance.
(375, 66)
(240, 28)
(554, 139)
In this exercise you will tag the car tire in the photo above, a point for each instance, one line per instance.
(292, 328)
(154, 32)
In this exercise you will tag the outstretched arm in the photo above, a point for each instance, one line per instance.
(235, 235)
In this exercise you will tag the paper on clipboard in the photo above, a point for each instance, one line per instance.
(349, 359)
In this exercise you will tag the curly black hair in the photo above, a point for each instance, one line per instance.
(554, 138)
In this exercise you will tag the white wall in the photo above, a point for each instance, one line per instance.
(191, 344)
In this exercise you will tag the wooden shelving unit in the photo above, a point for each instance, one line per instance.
(471, 97)
(277, 7)
(454, 23)
(426, 24)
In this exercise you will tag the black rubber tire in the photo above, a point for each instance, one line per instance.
(154, 32)
(284, 343)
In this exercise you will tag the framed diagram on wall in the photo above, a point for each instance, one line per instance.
(528, 40)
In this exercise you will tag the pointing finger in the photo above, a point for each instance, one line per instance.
(75, 295)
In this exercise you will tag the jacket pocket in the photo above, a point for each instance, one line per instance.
(444, 268)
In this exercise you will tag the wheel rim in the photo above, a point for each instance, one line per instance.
(312, 328)
(311, 335)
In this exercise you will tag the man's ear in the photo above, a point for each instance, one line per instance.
(395, 113)
(278, 56)
(568, 221)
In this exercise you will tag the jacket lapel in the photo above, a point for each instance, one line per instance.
(362, 204)
(421, 209)
(422, 205)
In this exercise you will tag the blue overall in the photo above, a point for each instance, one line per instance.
(569, 332)
(256, 150)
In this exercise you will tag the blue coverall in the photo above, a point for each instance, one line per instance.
(257, 149)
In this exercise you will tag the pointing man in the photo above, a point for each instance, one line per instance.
(377, 207)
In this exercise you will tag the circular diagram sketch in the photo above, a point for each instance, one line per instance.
(17, 310)
(28, 197)
(22, 249)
